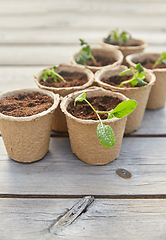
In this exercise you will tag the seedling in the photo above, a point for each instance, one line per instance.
(85, 54)
(50, 72)
(161, 59)
(137, 78)
(104, 132)
(119, 37)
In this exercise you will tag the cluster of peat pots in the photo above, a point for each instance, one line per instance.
(95, 102)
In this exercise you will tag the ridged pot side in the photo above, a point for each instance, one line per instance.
(127, 50)
(83, 133)
(140, 94)
(59, 121)
(157, 97)
(98, 51)
(27, 138)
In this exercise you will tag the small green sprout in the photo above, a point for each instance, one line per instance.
(52, 73)
(137, 78)
(85, 54)
(104, 132)
(119, 37)
(161, 59)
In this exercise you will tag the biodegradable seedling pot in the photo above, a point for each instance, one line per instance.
(133, 46)
(103, 52)
(27, 138)
(83, 133)
(59, 121)
(140, 94)
(157, 97)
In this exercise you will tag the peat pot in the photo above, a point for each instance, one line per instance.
(59, 121)
(83, 133)
(157, 97)
(140, 94)
(103, 53)
(133, 46)
(27, 138)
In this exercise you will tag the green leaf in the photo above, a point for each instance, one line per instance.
(139, 67)
(140, 82)
(54, 76)
(110, 115)
(105, 135)
(82, 42)
(44, 76)
(164, 61)
(80, 98)
(125, 71)
(119, 37)
(107, 39)
(124, 108)
(82, 58)
(133, 82)
(85, 54)
(137, 78)
(55, 67)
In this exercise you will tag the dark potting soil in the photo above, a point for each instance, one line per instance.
(101, 61)
(72, 79)
(116, 80)
(25, 104)
(84, 111)
(124, 45)
(148, 63)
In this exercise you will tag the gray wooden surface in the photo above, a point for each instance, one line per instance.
(33, 197)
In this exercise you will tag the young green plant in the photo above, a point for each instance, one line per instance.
(137, 78)
(161, 59)
(118, 37)
(85, 54)
(50, 72)
(104, 132)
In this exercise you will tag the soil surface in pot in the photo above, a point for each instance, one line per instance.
(25, 104)
(72, 79)
(123, 45)
(116, 80)
(148, 63)
(101, 61)
(84, 111)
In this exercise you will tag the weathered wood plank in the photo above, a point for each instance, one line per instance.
(60, 172)
(154, 122)
(45, 55)
(9, 7)
(71, 216)
(17, 77)
(64, 37)
(36, 55)
(26, 219)
(86, 20)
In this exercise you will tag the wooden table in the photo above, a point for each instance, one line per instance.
(36, 200)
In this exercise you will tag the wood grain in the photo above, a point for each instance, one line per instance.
(28, 219)
(60, 172)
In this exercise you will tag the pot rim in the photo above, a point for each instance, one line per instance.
(88, 73)
(70, 97)
(100, 72)
(130, 58)
(35, 116)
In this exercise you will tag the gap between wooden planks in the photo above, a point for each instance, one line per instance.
(57, 196)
